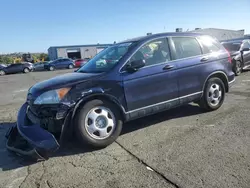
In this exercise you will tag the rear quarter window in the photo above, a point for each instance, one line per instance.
(209, 44)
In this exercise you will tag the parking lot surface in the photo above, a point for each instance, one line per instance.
(184, 147)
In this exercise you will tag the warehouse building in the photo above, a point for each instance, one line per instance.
(221, 34)
(75, 52)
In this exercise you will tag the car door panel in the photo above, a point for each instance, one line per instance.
(189, 77)
(151, 87)
(12, 69)
(193, 57)
(63, 64)
(246, 54)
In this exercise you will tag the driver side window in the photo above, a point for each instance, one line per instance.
(153, 52)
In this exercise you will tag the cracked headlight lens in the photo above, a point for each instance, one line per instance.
(52, 96)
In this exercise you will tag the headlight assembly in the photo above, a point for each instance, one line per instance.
(52, 96)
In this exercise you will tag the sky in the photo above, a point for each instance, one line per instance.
(34, 26)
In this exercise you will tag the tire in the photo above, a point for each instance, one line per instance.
(97, 135)
(238, 67)
(2, 73)
(71, 66)
(26, 70)
(51, 68)
(213, 94)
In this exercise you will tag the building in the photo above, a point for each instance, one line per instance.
(221, 34)
(75, 52)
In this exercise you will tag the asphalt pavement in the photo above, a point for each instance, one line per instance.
(183, 147)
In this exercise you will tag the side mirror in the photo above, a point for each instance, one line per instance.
(135, 65)
(245, 49)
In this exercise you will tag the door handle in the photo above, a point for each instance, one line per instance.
(167, 67)
(204, 59)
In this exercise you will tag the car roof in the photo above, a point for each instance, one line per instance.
(148, 37)
(235, 41)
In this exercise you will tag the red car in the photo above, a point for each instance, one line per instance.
(81, 62)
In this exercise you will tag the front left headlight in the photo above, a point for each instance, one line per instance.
(52, 96)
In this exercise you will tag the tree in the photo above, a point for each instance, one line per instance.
(6, 59)
(44, 57)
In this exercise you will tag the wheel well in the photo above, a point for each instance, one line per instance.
(222, 77)
(100, 97)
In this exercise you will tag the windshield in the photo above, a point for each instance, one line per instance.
(232, 46)
(106, 59)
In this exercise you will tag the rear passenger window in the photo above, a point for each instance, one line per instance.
(209, 44)
(186, 47)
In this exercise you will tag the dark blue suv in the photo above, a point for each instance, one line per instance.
(62, 63)
(126, 81)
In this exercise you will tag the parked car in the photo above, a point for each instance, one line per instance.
(63, 63)
(81, 62)
(39, 66)
(3, 65)
(95, 101)
(240, 53)
(16, 68)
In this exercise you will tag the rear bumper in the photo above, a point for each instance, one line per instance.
(30, 139)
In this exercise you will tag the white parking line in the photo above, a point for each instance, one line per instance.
(21, 90)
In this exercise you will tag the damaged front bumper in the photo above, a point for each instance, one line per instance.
(27, 138)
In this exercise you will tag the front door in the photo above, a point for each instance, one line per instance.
(154, 87)
(13, 68)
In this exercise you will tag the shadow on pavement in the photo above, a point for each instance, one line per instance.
(9, 160)
(184, 111)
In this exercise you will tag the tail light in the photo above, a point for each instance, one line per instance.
(229, 57)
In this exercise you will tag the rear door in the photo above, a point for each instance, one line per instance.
(155, 86)
(60, 64)
(188, 57)
(66, 63)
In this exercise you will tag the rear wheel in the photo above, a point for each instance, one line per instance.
(2, 73)
(26, 70)
(98, 123)
(71, 66)
(213, 94)
(237, 68)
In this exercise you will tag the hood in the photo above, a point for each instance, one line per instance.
(65, 80)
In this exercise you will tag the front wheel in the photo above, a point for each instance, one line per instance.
(213, 94)
(2, 73)
(98, 123)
